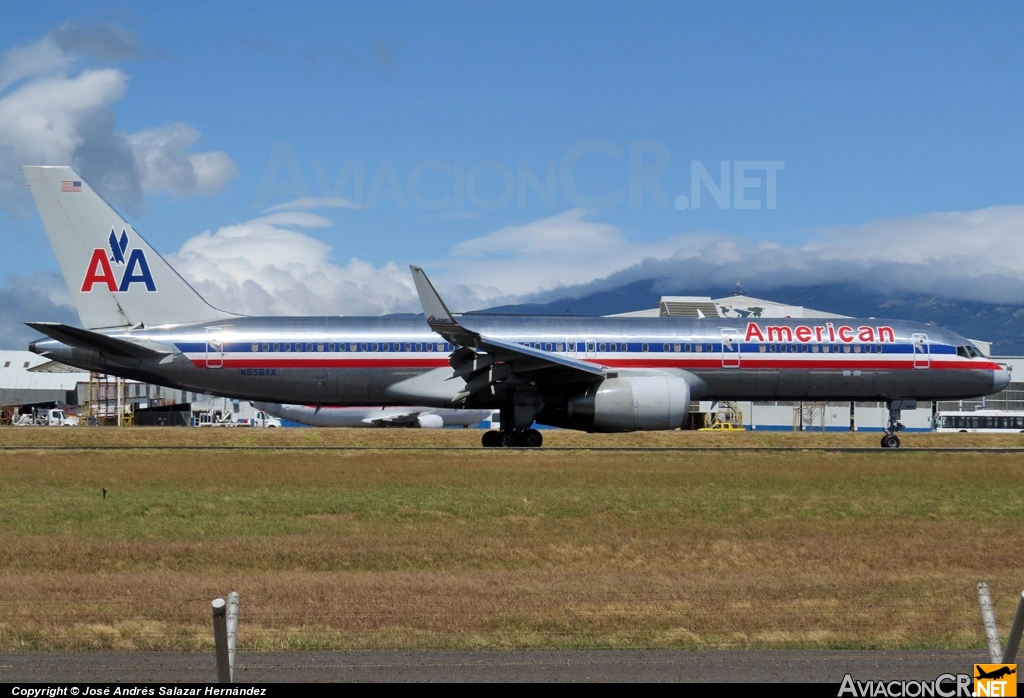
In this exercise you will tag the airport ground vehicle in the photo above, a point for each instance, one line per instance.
(218, 418)
(45, 418)
(985, 421)
(262, 419)
(144, 321)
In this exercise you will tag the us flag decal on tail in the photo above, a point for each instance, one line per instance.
(69, 185)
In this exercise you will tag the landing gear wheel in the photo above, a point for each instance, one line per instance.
(490, 439)
(507, 439)
(532, 438)
(890, 441)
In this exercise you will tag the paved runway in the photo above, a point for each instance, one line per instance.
(819, 666)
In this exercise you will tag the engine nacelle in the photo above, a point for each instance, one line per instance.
(430, 421)
(647, 403)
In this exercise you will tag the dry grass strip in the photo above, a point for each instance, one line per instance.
(478, 549)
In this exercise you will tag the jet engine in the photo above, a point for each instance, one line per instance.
(647, 403)
(430, 421)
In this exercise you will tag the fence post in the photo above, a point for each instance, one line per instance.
(988, 619)
(1013, 641)
(232, 627)
(220, 640)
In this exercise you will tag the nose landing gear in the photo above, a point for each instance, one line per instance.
(513, 438)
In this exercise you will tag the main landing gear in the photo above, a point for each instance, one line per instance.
(889, 439)
(513, 438)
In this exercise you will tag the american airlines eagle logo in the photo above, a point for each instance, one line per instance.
(135, 267)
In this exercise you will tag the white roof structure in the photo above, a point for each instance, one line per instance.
(20, 385)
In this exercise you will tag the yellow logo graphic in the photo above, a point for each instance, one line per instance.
(995, 680)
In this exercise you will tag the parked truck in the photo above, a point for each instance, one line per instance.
(44, 418)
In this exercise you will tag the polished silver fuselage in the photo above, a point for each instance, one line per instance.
(353, 360)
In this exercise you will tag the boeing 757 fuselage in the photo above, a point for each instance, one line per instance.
(595, 374)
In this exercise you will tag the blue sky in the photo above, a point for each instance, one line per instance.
(876, 116)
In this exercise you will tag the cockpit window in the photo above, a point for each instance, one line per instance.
(968, 352)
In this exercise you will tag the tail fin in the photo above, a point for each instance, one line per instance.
(116, 279)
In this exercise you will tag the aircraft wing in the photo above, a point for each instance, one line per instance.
(94, 341)
(484, 361)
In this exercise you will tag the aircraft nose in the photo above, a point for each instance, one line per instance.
(1000, 379)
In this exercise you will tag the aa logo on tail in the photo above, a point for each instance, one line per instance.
(100, 271)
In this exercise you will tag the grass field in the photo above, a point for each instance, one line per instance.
(491, 548)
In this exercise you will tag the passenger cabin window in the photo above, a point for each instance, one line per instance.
(603, 347)
(644, 347)
(255, 347)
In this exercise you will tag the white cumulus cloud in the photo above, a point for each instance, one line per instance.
(49, 115)
(269, 266)
(163, 160)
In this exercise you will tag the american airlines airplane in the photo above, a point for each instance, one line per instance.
(334, 416)
(142, 320)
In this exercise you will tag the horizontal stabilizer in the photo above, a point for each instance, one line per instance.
(94, 341)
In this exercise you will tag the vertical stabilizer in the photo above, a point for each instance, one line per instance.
(116, 279)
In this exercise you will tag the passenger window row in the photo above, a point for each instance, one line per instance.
(591, 347)
(353, 346)
(822, 348)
